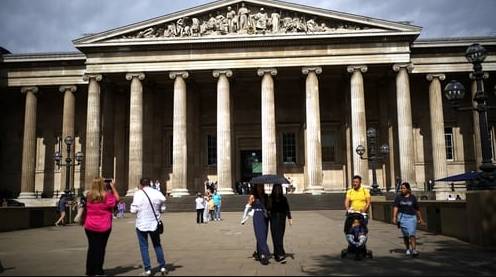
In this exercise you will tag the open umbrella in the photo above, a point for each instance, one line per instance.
(467, 176)
(269, 179)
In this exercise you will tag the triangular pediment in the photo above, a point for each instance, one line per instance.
(245, 19)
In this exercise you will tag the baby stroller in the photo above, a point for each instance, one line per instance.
(355, 230)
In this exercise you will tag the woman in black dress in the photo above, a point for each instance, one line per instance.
(279, 210)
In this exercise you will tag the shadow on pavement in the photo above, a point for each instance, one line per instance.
(448, 258)
(119, 270)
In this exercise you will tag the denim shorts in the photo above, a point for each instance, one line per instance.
(408, 224)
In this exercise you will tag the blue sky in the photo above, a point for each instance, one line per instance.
(28, 26)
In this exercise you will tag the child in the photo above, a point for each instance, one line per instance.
(121, 207)
(211, 208)
(357, 237)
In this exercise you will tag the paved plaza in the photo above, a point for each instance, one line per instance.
(313, 244)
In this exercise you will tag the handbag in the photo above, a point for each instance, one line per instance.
(160, 225)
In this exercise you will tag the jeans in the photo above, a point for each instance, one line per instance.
(217, 212)
(143, 244)
(199, 215)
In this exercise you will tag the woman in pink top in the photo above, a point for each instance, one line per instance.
(98, 224)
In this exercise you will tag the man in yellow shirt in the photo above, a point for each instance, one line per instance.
(357, 198)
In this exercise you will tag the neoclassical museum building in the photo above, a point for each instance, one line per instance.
(236, 88)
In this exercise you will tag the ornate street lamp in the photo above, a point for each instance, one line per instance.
(373, 155)
(454, 92)
(69, 162)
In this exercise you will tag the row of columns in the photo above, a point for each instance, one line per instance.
(313, 155)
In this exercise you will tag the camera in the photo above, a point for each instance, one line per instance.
(107, 182)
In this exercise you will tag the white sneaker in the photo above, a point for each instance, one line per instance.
(147, 273)
(408, 252)
(414, 253)
(164, 271)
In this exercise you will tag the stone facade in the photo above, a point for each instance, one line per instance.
(178, 102)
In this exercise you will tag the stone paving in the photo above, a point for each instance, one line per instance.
(313, 244)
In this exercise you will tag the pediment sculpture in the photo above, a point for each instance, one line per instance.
(244, 19)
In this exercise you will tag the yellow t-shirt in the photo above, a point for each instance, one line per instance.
(358, 198)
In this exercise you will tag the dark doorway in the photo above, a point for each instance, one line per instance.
(251, 164)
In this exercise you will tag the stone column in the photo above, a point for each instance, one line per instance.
(29, 144)
(269, 158)
(358, 120)
(135, 132)
(179, 136)
(477, 134)
(405, 125)
(224, 162)
(93, 118)
(313, 153)
(68, 119)
(437, 134)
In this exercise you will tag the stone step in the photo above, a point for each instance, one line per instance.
(235, 203)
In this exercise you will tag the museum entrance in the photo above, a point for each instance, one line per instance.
(251, 164)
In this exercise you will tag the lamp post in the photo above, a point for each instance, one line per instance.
(69, 162)
(373, 155)
(454, 92)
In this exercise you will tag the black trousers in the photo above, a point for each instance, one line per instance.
(277, 229)
(199, 215)
(97, 242)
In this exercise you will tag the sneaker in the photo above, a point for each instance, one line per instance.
(408, 252)
(164, 271)
(414, 253)
(147, 273)
(255, 256)
(283, 260)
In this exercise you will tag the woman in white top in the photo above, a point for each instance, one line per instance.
(200, 207)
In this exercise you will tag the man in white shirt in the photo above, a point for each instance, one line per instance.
(147, 222)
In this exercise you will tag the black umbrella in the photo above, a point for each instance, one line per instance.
(269, 179)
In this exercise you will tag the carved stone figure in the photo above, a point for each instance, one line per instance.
(243, 17)
(261, 20)
(275, 22)
(312, 26)
(147, 33)
(230, 16)
(195, 26)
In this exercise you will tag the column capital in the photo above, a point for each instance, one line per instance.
(262, 71)
(29, 89)
(472, 77)
(227, 72)
(407, 66)
(433, 76)
(70, 88)
(306, 69)
(97, 77)
(175, 74)
(139, 75)
(352, 68)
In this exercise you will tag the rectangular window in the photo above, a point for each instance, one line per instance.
(329, 147)
(448, 136)
(289, 148)
(211, 150)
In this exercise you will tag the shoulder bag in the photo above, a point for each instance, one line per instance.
(160, 225)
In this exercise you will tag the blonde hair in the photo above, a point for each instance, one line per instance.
(97, 190)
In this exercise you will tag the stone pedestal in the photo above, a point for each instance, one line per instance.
(481, 214)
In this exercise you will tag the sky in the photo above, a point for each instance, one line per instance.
(28, 26)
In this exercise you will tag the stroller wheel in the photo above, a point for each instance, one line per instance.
(343, 253)
(369, 254)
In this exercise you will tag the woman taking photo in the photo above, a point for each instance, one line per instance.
(278, 210)
(406, 214)
(101, 200)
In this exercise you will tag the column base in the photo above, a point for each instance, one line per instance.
(225, 191)
(179, 192)
(314, 190)
(130, 192)
(27, 195)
